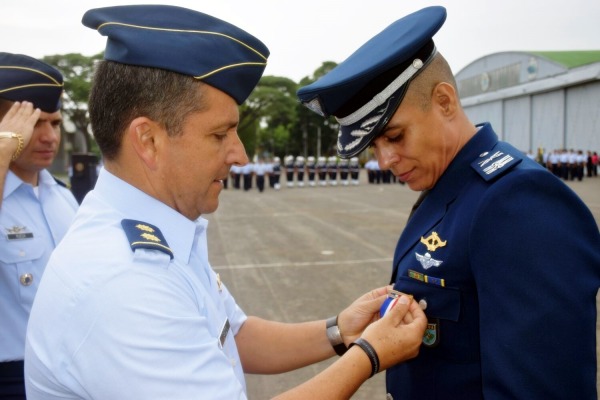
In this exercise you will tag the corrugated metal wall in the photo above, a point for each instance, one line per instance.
(564, 118)
(534, 102)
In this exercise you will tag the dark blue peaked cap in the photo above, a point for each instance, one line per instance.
(365, 90)
(23, 78)
(184, 41)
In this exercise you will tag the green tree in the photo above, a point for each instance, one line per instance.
(77, 71)
(268, 116)
(314, 135)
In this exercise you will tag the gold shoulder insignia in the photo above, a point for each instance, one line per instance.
(145, 228)
(145, 236)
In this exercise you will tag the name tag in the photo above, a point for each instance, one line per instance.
(224, 332)
(19, 236)
(18, 233)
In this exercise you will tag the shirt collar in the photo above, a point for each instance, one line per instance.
(13, 182)
(133, 203)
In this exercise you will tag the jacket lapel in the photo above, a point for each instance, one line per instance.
(443, 194)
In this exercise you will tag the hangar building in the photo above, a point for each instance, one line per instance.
(534, 100)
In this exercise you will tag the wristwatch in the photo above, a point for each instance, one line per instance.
(335, 336)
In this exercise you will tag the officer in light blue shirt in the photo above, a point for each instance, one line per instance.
(129, 307)
(35, 209)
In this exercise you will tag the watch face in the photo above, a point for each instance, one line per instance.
(334, 335)
(484, 81)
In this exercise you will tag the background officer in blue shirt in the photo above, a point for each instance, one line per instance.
(129, 306)
(503, 257)
(35, 210)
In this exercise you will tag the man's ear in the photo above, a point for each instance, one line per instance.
(145, 137)
(446, 98)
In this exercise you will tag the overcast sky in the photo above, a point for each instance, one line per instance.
(301, 34)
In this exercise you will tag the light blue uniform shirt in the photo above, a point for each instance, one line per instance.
(31, 229)
(114, 323)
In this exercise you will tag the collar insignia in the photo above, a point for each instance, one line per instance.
(427, 261)
(433, 242)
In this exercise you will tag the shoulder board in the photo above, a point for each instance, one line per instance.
(142, 235)
(497, 162)
(61, 183)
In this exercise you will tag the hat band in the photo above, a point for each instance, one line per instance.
(35, 71)
(381, 97)
(192, 31)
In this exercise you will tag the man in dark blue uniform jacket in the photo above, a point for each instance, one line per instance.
(502, 256)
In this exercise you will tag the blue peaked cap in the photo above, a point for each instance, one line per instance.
(365, 90)
(23, 78)
(184, 41)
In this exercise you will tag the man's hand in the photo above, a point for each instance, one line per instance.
(20, 118)
(398, 335)
(353, 320)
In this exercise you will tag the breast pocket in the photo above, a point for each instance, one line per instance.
(439, 302)
(455, 313)
(22, 266)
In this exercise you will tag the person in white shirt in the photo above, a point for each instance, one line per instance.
(129, 306)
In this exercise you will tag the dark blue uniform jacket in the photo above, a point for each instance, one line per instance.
(509, 277)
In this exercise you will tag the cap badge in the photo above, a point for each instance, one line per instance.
(433, 242)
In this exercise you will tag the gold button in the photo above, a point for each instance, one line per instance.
(423, 304)
(26, 279)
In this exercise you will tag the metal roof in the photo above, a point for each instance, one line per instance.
(570, 59)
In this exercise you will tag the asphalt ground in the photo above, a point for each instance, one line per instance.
(306, 253)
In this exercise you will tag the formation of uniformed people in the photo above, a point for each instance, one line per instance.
(323, 171)
(571, 165)
(376, 175)
(298, 171)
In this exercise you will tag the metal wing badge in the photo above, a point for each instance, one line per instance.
(427, 261)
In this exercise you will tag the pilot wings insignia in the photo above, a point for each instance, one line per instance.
(428, 262)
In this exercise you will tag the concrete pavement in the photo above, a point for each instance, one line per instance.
(305, 253)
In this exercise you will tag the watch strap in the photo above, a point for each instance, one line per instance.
(335, 336)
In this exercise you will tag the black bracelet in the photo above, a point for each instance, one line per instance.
(371, 353)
